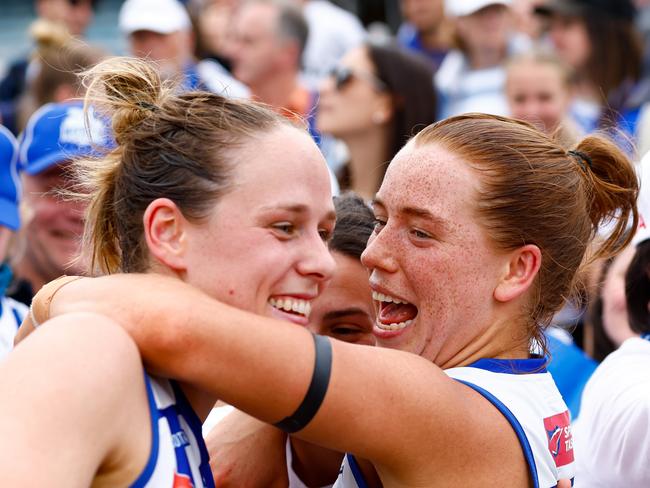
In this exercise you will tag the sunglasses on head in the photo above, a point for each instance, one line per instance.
(342, 76)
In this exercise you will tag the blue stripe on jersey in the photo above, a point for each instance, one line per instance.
(153, 456)
(516, 426)
(179, 441)
(19, 319)
(356, 471)
(512, 366)
(186, 410)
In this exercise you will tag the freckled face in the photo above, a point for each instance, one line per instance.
(429, 251)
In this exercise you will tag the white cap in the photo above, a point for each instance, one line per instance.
(459, 8)
(161, 16)
(643, 203)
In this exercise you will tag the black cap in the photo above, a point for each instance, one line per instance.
(618, 9)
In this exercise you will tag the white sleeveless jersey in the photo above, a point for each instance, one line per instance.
(294, 480)
(526, 395)
(12, 314)
(179, 458)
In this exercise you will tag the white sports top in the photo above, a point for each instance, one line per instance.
(526, 395)
(179, 458)
(12, 314)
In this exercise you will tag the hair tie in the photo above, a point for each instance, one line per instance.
(147, 106)
(582, 158)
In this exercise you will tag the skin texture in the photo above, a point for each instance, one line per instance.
(538, 94)
(53, 233)
(402, 392)
(265, 238)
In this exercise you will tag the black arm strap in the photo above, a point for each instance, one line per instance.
(316, 393)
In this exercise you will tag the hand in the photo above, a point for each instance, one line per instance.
(247, 452)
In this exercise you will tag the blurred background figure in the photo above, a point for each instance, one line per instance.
(269, 41)
(333, 32)
(472, 76)
(213, 29)
(599, 40)
(161, 31)
(374, 101)
(611, 435)
(539, 91)
(74, 16)
(60, 58)
(11, 312)
(425, 29)
(54, 135)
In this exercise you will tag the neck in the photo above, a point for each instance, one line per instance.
(28, 271)
(486, 58)
(369, 153)
(507, 339)
(436, 39)
(275, 90)
(314, 465)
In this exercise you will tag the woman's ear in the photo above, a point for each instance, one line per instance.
(165, 233)
(520, 272)
(384, 109)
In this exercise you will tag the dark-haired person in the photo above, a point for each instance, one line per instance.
(234, 200)
(613, 429)
(466, 274)
(374, 101)
(599, 41)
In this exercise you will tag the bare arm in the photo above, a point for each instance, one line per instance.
(379, 402)
(60, 390)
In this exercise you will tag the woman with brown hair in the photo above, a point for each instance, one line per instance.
(466, 274)
(197, 189)
(374, 101)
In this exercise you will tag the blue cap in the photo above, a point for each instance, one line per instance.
(57, 132)
(9, 180)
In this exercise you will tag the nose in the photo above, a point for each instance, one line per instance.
(378, 254)
(317, 261)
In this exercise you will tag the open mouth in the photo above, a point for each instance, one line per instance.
(394, 313)
(292, 306)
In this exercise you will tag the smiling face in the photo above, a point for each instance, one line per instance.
(537, 93)
(433, 267)
(263, 248)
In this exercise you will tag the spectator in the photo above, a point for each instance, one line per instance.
(270, 37)
(60, 59)
(212, 21)
(54, 135)
(333, 32)
(598, 39)
(75, 16)
(612, 433)
(377, 98)
(11, 312)
(539, 91)
(161, 31)
(472, 76)
(425, 29)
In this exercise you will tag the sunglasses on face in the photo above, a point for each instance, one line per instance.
(342, 76)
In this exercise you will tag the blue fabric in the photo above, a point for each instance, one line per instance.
(512, 366)
(571, 368)
(408, 37)
(9, 182)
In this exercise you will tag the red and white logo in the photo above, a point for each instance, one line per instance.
(560, 440)
(182, 481)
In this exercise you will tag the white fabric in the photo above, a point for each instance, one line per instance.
(161, 16)
(216, 415)
(217, 79)
(459, 8)
(294, 480)
(8, 323)
(167, 471)
(333, 31)
(612, 435)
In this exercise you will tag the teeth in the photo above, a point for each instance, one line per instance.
(302, 307)
(398, 326)
(380, 297)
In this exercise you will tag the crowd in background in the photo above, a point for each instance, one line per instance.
(569, 67)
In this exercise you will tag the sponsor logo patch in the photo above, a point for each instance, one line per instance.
(560, 440)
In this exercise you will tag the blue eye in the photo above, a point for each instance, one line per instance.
(285, 228)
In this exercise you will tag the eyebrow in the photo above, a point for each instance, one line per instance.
(296, 208)
(337, 314)
(418, 212)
